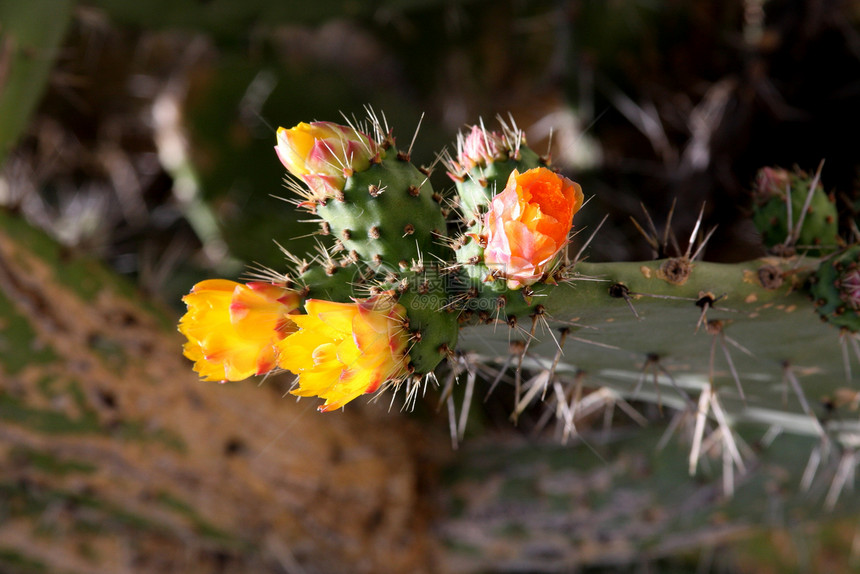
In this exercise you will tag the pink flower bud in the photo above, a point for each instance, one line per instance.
(324, 154)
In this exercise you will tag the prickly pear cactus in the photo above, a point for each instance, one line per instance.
(410, 289)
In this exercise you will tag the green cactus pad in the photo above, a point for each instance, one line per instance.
(434, 327)
(835, 289)
(386, 214)
(331, 283)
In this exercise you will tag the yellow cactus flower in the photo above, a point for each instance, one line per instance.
(232, 328)
(324, 154)
(343, 350)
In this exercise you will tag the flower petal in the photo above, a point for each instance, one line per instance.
(232, 328)
(343, 350)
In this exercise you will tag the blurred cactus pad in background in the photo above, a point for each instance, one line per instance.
(576, 284)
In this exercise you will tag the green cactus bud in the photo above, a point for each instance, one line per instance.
(818, 230)
(835, 289)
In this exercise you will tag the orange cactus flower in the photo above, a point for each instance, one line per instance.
(528, 223)
(343, 350)
(324, 154)
(232, 328)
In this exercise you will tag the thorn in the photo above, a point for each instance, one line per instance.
(668, 233)
(414, 136)
(844, 474)
(794, 233)
(727, 435)
(620, 291)
(467, 400)
(516, 348)
(812, 465)
(698, 433)
(590, 237)
(518, 377)
(651, 239)
(789, 377)
(536, 384)
(452, 421)
(692, 240)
